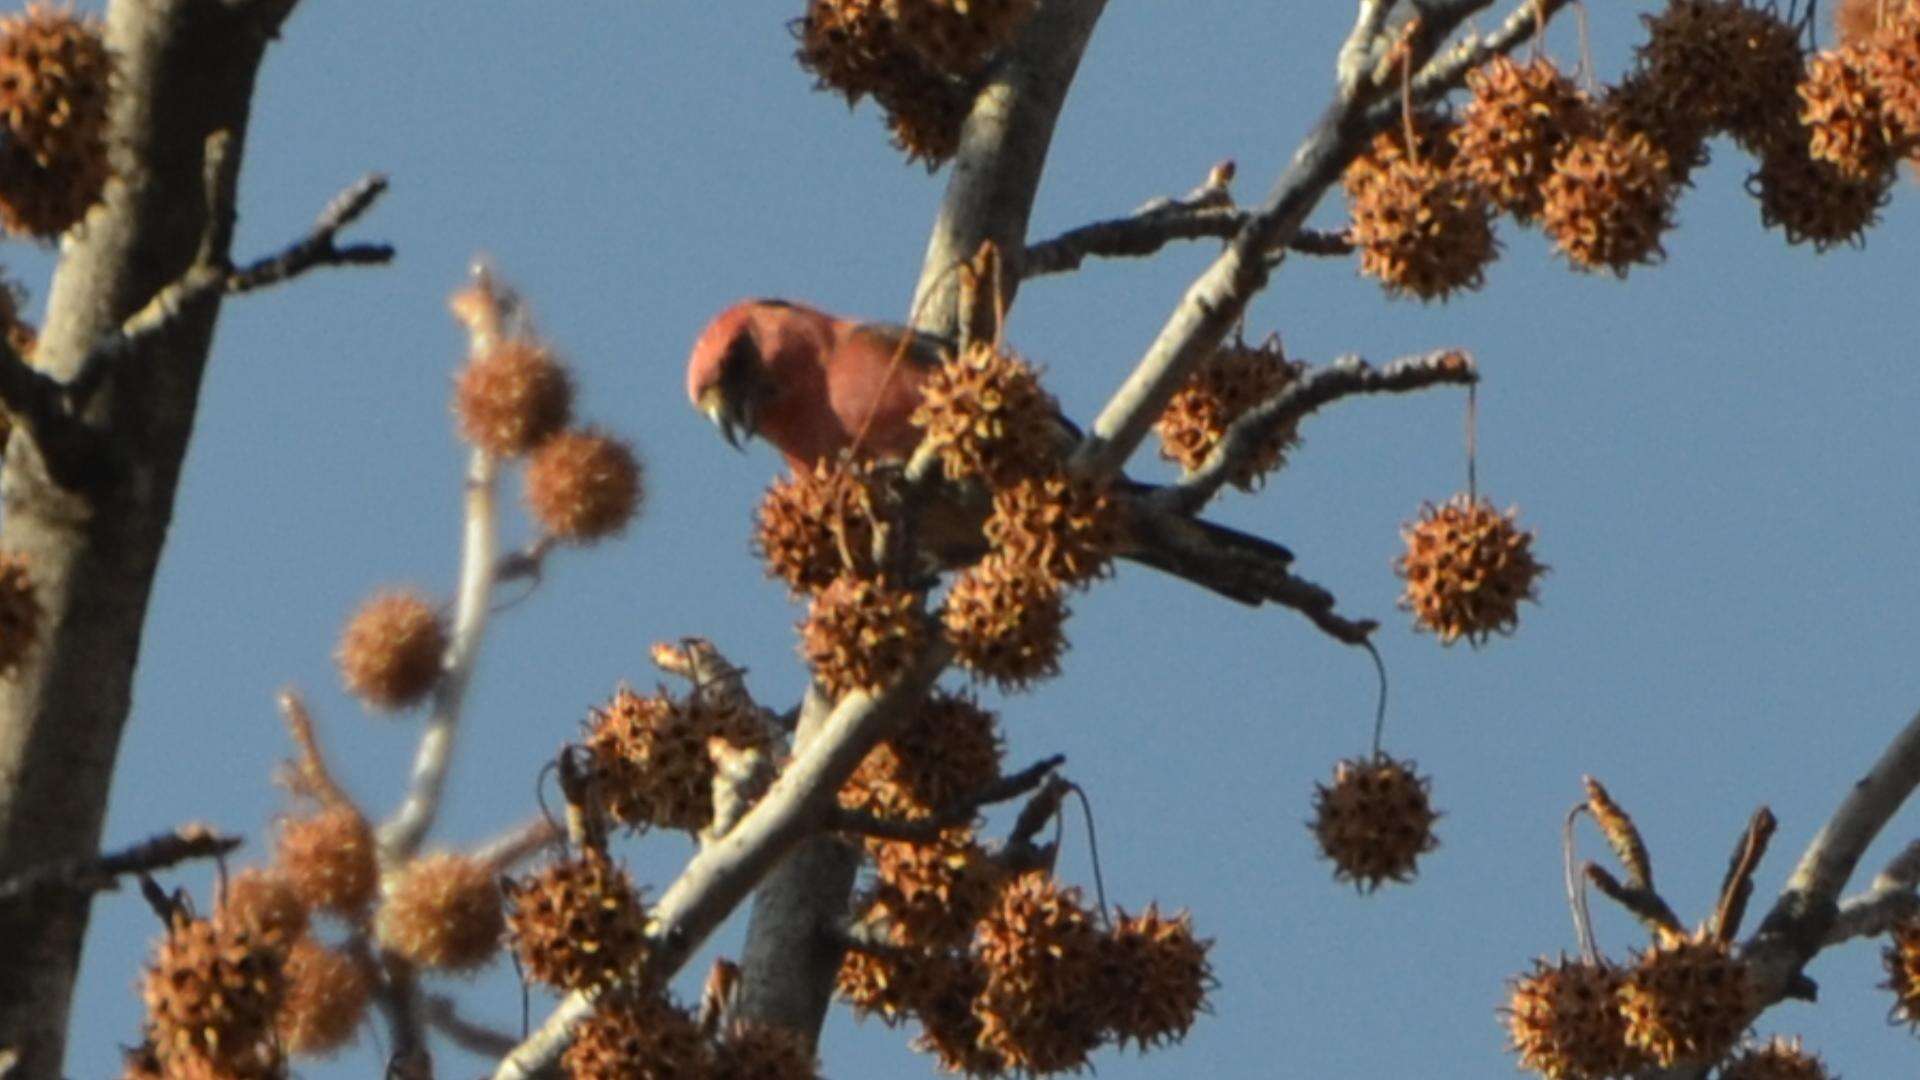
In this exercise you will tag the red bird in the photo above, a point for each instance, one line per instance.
(815, 386)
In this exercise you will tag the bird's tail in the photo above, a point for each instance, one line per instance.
(1235, 564)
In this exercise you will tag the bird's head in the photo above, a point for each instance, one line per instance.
(728, 378)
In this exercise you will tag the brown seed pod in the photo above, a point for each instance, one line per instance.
(1636, 104)
(1812, 201)
(1375, 821)
(390, 651)
(931, 895)
(1730, 65)
(326, 998)
(1467, 567)
(511, 397)
(1893, 67)
(1040, 1007)
(328, 859)
(1609, 200)
(210, 991)
(20, 612)
(1421, 227)
(851, 46)
(1234, 379)
(989, 418)
(264, 901)
(1687, 1000)
(651, 757)
(1845, 119)
(1155, 977)
(814, 526)
(946, 752)
(583, 486)
(895, 984)
(1005, 624)
(956, 36)
(577, 923)
(1064, 530)
(56, 77)
(862, 634)
(1564, 1021)
(442, 911)
(950, 1029)
(1432, 142)
(1777, 1059)
(752, 1051)
(1902, 960)
(635, 1037)
(1520, 118)
(925, 117)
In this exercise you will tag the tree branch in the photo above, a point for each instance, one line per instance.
(87, 875)
(443, 1016)
(928, 830)
(1003, 151)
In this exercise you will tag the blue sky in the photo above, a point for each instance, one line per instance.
(1718, 456)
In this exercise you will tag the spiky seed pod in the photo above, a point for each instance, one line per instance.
(1467, 568)
(650, 756)
(932, 894)
(1893, 67)
(20, 612)
(1040, 1007)
(442, 911)
(1687, 1000)
(851, 46)
(390, 651)
(1636, 104)
(814, 526)
(1812, 201)
(946, 752)
(1779, 1058)
(895, 984)
(956, 36)
(1520, 118)
(55, 81)
(1432, 143)
(1005, 624)
(1234, 379)
(635, 1037)
(1375, 821)
(265, 901)
(989, 418)
(577, 923)
(1841, 109)
(862, 634)
(1423, 229)
(762, 1052)
(1902, 960)
(328, 858)
(1062, 528)
(1564, 1022)
(210, 992)
(510, 397)
(925, 115)
(327, 993)
(1155, 977)
(1730, 65)
(1609, 200)
(950, 1029)
(583, 485)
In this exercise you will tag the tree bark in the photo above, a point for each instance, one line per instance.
(186, 70)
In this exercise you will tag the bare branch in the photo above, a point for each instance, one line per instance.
(1205, 212)
(84, 875)
(398, 996)
(310, 775)
(721, 874)
(1215, 302)
(1871, 914)
(1738, 885)
(401, 835)
(510, 847)
(1644, 904)
(1344, 377)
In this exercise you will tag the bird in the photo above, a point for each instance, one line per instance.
(817, 386)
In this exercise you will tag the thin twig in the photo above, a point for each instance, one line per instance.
(310, 773)
(1738, 884)
(443, 1015)
(1344, 377)
(1645, 904)
(100, 872)
(516, 844)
